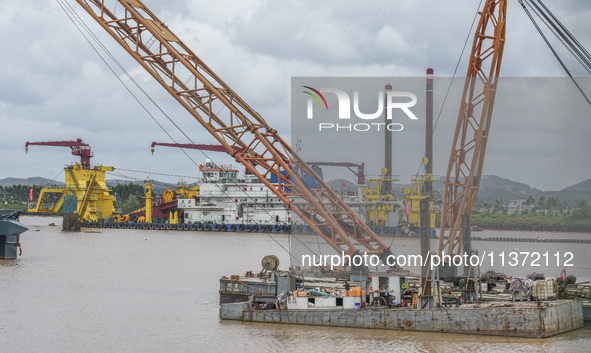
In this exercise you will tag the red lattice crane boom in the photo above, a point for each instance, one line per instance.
(234, 124)
(78, 147)
(472, 129)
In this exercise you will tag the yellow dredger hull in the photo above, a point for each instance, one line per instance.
(88, 185)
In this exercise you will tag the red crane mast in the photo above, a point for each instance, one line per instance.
(78, 147)
(203, 147)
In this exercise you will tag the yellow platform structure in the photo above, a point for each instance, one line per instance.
(88, 185)
(379, 203)
(412, 200)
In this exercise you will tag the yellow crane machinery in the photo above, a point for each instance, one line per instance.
(412, 200)
(88, 195)
(181, 192)
(472, 129)
(87, 184)
(187, 193)
(149, 198)
(233, 123)
(377, 212)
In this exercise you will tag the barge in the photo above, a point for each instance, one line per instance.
(391, 303)
(518, 319)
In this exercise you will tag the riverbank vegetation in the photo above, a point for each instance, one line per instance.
(545, 215)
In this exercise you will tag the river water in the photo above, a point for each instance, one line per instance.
(109, 290)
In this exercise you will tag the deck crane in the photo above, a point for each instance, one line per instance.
(94, 200)
(472, 129)
(233, 123)
(78, 147)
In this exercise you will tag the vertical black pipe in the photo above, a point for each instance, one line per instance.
(425, 215)
(429, 130)
(387, 146)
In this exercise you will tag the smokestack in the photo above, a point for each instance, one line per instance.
(429, 130)
(425, 216)
(387, 147)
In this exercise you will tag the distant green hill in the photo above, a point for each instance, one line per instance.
(494, 188)
(571, 194)
(28, 181)
(582, 186)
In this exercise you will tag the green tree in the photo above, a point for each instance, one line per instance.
(552, 203)
(498, 207)
(124, 191)
(582, 210)
(530, 201)
(541, 202)
(131, 204)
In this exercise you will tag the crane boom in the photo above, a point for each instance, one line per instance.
(78, 147)
(472, 129)
(204, 147)
(233, 123)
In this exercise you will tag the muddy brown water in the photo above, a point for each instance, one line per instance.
(109, 290)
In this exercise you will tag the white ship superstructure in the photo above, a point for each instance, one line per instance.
(224, 198)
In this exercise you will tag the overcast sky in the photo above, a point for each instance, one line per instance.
(55, 87)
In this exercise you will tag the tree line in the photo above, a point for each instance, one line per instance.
(541, 215)
(18, 196)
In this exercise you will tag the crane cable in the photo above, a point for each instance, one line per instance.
(74, 17)
(563, 35)
(552, 49)
(566, 38)
(163, 174)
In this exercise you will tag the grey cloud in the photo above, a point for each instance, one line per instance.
(53, 86)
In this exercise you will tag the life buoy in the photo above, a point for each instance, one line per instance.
(563, 274)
